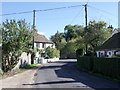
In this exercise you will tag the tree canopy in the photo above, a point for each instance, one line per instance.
(16, 38)
(77, 36)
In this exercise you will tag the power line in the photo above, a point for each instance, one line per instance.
(77, 15)
(42, 10)
(101, 13)
(101, 10)
(16, 13)
(59, 8)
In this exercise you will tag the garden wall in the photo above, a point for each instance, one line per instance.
(24, 59)
(68, 56)
(42, 60)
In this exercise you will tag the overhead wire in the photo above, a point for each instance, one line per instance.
(42, 10)
(77, 15)
(102, 10)
(99, 10)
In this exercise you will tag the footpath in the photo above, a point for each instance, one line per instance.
(18, 80)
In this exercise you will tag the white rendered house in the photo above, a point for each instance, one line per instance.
(111, 47)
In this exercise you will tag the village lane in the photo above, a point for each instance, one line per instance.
(64, 74)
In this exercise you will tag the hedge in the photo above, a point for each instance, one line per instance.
(106, 66)
(85, 63)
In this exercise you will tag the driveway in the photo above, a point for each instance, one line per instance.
(63, 74)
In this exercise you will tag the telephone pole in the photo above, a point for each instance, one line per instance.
(33, 26)
(86, 24)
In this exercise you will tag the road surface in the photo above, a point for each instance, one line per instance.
(63, 74)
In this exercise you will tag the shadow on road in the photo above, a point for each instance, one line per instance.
(68, 70)
(53, 82)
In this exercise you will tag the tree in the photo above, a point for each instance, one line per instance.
(96, 34)
(17, 36)
(52, 52)
(70, 47)
(73, 31)
(57, 39)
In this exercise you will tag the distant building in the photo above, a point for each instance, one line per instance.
(111, 47)
(41, 42)
(115, 31)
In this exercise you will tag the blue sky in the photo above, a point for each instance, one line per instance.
(50, 21)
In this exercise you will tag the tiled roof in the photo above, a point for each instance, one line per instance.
(41, 38)
(112, 43)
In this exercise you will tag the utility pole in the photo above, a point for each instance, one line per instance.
(86, 24)
(33, 27)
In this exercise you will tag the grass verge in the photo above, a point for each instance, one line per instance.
(4, 75)
(29, 66)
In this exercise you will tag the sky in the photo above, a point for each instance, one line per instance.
(49, 22)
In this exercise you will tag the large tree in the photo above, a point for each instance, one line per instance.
(73, 31)
(57, 39)
(16, 38)
(96, 34)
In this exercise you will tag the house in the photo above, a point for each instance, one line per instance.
(41, 42)
(114, 31)
(111, 47)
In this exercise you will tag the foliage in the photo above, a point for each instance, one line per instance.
(29, 66)
(57, 38)
(100, 65)
(1, 71)
(61, 45)
(72, 31)
(0, 34)
(76, 36)
(96, 34)
(79, 52)
(70, 47)
(52, 52)
(16, 37)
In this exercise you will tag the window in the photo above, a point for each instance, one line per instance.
(43, 45)
(110, 53)
(38, 45)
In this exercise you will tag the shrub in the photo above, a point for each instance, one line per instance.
(79, 52)
(52, 52)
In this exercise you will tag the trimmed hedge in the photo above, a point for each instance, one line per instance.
(106, 66)
(85, 63)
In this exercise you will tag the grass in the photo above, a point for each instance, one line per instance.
(4, 75)
(106, 77)
(1, 72)
(29, 66)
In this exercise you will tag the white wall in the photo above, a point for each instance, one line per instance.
(102, 53)
(23, 60)
(110, 53)
(46, 45)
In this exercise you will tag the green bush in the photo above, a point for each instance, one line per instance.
(105, 66)
(70, 47)
(52, 52)
(79, 52)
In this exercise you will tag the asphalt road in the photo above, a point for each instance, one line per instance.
(63, 74)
